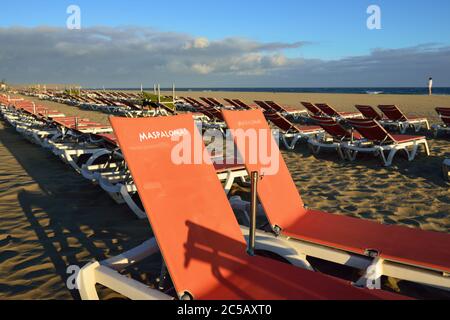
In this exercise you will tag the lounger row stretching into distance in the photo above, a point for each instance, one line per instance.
(204, 249)
(91, 149)
(324, 127)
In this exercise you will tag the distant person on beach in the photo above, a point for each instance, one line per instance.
(430, 86)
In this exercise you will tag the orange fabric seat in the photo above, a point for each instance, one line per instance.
(392, 242)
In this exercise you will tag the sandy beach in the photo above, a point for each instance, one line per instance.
(52, 218)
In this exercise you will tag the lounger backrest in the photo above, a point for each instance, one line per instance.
(332, 127)
(312, 108)
(199, 102)
(158, 105)
(276, 106)
(242, 104)
(265, 106)
(190, 215)
(215, 102)
(200, 107)
(392, 112)
(371, 130)
(368, 112)
(444, 114)
(280, 121)
(326, 109)
(206, 100)
(214, 112)
(277, 191)
(232, 103)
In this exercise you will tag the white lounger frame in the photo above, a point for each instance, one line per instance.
(296, 137)
(296, 114)
(437, 129)
(107, 273)
(416, 124)
(352, 150)
(316, 144)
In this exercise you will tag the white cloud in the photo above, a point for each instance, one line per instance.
(202, 68)
(130, 56)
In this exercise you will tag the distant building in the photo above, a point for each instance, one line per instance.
(3, 87)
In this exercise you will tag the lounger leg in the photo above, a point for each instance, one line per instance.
(86, 282)
(90, 175)
(427, 124)
(340, 152)
(372, 277)
(383, 158)
(391, 156)
(294, 141)
(427, 148)
(412, 155)
(315, 149)
(67, 158)
(229, 182)
(352, 154)
(435, 129)
(131, 204)
(417, 127)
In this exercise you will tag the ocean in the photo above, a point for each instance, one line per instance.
(381, 90)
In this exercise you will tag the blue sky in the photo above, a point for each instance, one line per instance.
(332, 29)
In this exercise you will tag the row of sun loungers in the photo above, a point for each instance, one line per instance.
(92, 150)
(348, 133)
(204, 250)
(115, 103)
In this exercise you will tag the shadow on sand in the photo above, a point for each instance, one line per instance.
(74, 220)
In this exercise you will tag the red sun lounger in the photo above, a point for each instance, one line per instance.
(242, 104)
(402, 121)
(232, 103)
(215, 102)
(196, 231)
(337, 135)
(400, 252)
(381, 141)
(293, 112)
(312, 109)
(369, 113)
(331, 112)
(444, 115)
(291, 131)
(271, 106)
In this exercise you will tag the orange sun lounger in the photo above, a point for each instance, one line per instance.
(196, 230)
(400, 252)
